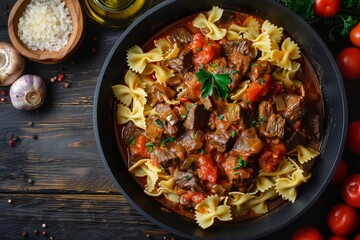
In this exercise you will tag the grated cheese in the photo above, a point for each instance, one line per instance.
(45, 25)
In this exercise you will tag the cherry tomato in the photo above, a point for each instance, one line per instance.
(334, 237)
(342, 219)
(350, 190)
(307, 233)
(348, 62)
(353, 137)
(355, 35)
(326, 8)
(341, 173)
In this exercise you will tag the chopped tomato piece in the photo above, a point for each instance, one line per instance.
(206, 169)
(195, 197)
(139, 147)
(272, 156)
(258, 89)
(204, 49)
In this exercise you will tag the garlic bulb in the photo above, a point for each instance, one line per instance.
(28, 92)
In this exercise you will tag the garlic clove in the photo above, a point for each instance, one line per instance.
(11, 64)
(28, 92)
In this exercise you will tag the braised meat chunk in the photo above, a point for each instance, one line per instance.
(180, 36)
(247, 144)
(197, 117)
(188, 181)
(275, 126)
(164, 156)
(221, 140)
(182, 63)
(242, 45)
(296, 107)
(192, 140)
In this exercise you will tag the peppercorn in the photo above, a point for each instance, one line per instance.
(25, 234)
(30, 181)
(35, 137)
(3, 99)
(9, 201)
(44, 233)
(36, 232)
(3, 92)
(43, 225)
(11, 143)
(60, 77)
(66, 85)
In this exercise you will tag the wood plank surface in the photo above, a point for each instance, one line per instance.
(54, 174)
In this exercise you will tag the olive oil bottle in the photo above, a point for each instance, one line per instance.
(115, 13)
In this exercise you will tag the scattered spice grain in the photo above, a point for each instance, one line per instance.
(43, 225)
(3, 99)
(9, 201)
(36, 232)
(30, 181)
(35, 137)
(3, 92)
(44, 233)
(11, 143)
(66, 85)
(25, 234)
(30, 124)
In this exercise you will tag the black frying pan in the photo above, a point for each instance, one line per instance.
(334, 121)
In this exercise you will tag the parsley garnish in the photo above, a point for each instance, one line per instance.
(159, 122)
(262, 119)
(192, 165)
(170, 139)
(130, 139)
(240, 163)
(150, 146)
(187, 110)
(233, 133)
(221, 117)
(187, 177)
(211, 80)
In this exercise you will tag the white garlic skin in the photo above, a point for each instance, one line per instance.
(28, 92)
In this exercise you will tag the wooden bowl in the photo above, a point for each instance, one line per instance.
(45, 56)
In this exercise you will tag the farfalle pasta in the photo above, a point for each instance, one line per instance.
(137, 59)
(215, 32)
(209, 209)
(134, 89)
(215, 118)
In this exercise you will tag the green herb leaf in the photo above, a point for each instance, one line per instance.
(304, 8)
(187, 177)
(130, 139)
(159, 122)
(150, 146)
(208, 79)
(170, 139)
(221, 117)
(240, 163)
(221, 80)
(192, 165)
(233, 133)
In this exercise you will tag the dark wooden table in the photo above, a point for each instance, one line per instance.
(54, 175)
